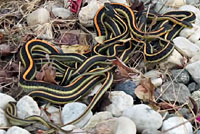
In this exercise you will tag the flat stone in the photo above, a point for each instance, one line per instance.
(186, 47)
(193, 69)
(3, 119)
(121, 125)
(119, 102)
(26, 107)
(72, 111)
(98, 117)
(5, 99)
(173, 92)
(186, 128)
(17, 130)
(144, 117)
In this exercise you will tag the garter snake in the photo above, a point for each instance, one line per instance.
(117, 23)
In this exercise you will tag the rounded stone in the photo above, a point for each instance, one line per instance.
(26, 107)
(72, 111)
(193, 87)
(126, 86)
(3, 119)
(2, 131)
(181, 76)
(151, 131)
(144, 117)
(193, 69)
(119, 102)
(17, 130)
(185, 128)
(5, 99)
(39, 16)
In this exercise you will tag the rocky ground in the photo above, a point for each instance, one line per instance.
(165, 100)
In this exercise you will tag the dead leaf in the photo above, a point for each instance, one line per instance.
(124, 70)
(68, 39)
(81, 49)
(145, 90)
(47, 74)
(168, 106)
(1, 37)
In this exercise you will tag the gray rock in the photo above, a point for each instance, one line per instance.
(181, 76)
(144, 117)
(2, 131)
(192, 2)
(151, 131)
(17, 130)
(119, 102)
(126, 86)
(26, 107)
(5, 99)
(3, 119)
(121, 125)
(196, 97)
(72, 111)
(193, 87)
(194, 71)
(186, 113)
(174, 121)
(198, 132)
(174, 92)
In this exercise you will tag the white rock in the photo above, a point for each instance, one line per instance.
(175, 59)
(121, 125)
(53, 111)
(193, 34)
(192, 2)
(61, 12)
(195, 58)
(72, 111)
(2, 131)
(175, 3)
(17, 130)
(157, 82)
(26, 107)
(194, 70)
(87, 13)
(191, 8)
(5, 99)
(119, 102)
(186, 47)
(119, 1)
(98, 117)
(39, 16)
(144, 117)
(3, 119)
(174, 121)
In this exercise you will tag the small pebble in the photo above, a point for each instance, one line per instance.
(26, 107)
(121, 125)
(98, 117)
(173, 92)
(174, 121)
(17, 130)
(2, 131)
(119, 102)
(5, 99)
(193, 69)
(144, 117)
(61, 12)
(72, 111)
(193, 87)
(126, 86)
(151, 131)
(3, 119)
(186, 47)
(39, 16)
(181, 76)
